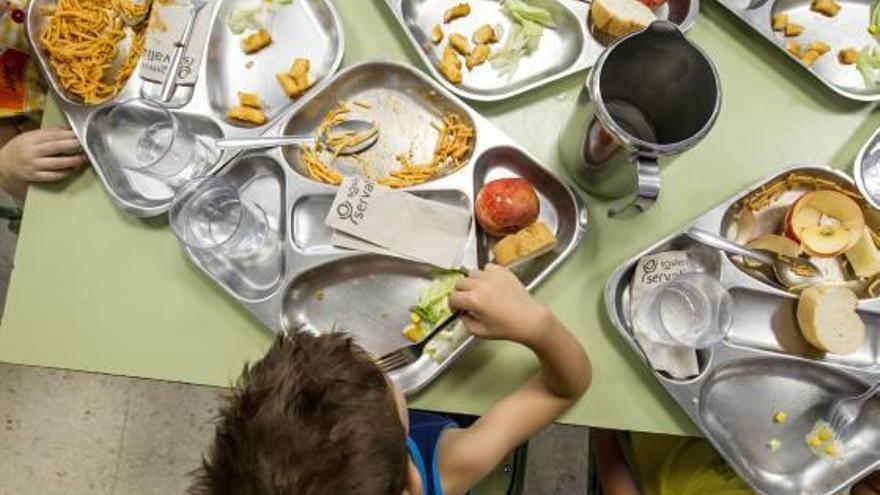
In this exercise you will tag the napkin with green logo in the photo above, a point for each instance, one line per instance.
(365, 214)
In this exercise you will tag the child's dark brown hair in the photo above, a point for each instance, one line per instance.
(314, 416)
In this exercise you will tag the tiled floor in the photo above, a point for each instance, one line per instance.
(66, 433)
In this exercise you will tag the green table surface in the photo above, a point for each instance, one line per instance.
(94, 289)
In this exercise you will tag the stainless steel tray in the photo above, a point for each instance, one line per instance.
(764, 366)
(866, 170)
(568, 49)
(305, 281)
(848, 29)
(312, 29)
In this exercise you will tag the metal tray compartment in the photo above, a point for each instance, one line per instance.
(764, 366)
(307, 28)
(848, 29)
(565, 50)
(323, 287)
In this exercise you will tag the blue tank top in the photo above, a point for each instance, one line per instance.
(425, 430)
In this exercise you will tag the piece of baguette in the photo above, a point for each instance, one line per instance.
(828, 320)
(615, 18)
(530, 242)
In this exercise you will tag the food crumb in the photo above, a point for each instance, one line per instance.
(319, 295)
(773, 445)
(780, 417)
(249, 64)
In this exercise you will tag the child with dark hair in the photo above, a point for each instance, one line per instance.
(317, 416)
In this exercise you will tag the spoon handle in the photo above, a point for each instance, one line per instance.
(170, 81)
(262, 142)
(718, 242)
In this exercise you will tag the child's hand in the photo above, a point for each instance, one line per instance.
(39, 156)
(499, 307)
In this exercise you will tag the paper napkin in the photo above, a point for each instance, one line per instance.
(651, 271)
(399, 222)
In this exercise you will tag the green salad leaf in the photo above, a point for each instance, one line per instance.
(527, 26)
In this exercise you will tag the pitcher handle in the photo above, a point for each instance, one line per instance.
(647, 192)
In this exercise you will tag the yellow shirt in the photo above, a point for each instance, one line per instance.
(669, 465)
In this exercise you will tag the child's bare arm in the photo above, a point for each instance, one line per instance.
(615, 476)
(497, 306)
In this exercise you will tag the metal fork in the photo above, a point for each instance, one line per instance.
(845, 411)
(409, 354)
(170, 81)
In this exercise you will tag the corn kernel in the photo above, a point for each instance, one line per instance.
(780, 417)
(825, 434)
(830, 449)
(415, 318)
(814, 441)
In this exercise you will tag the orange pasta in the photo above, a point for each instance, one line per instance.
(82, 39)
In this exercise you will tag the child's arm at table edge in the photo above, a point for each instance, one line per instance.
(468, 455)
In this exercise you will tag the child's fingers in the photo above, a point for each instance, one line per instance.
(60, 162)
(492, 267)
(462, 301)
(51, 175)
(465, 284)
(59, 146)
(473, 325)
(52, 133)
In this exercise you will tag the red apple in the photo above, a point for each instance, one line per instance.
(653, 4)
(505, 206)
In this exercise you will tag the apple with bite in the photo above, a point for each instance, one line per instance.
(505, 206)
(826, 223)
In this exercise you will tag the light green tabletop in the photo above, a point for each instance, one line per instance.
(94, 289)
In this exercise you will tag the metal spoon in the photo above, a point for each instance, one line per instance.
(791, 272)
(170, 81)
(353, 127)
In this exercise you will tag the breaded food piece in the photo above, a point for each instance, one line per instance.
(828, 8)
(820, 47)
(485, 34)
(848, 56)
(461, 10)
(478, 55)
(530, 242)
(450, 66)
(251, 100)
(780, 21)
(249, 115)
(256, 42)
(299, 71)
(809, 57)
(460, 44)
(288, 83)
(792, 29)
(436, 34)
(793, 47)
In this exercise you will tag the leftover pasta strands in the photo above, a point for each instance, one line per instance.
(82, 40)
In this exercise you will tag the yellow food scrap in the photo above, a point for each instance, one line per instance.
(780, 21)
(773, 445)
(529, 242)
(825, 433)
(460, 44)
(460, 10)
(296, 81)
(478, 55)
(485, 34)
(828, 8)
(300, 68)
(241, 113)
(450, 66)
(814, 441)
(415, 318)
(793, 47)
(289, 85)
(414, 333)
(319, 295)
(793, 29)
(809, 57)
(820, 47)
(780, 417)
(848, 56)
(436, 34)
(251, 100)
(256, 42)
(830, 449)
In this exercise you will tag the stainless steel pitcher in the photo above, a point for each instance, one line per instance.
(653, 94)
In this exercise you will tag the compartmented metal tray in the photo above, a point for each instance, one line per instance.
(565, 50)
(312, 29)
(763, 366)
(303, 281)
(848, 29)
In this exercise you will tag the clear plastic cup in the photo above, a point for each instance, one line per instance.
(145, 137)
(692, 311)
(207, 214)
